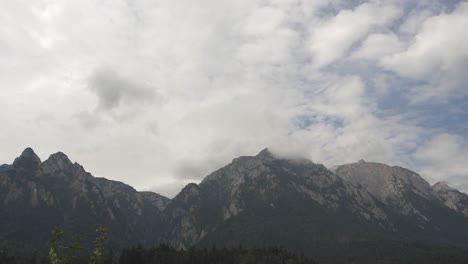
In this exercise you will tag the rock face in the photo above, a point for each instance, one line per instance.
(452, 198)
(28, 161)
(417, 209)
(35, 197)
(260, 200)
(391, 185)
(264, 200)
(276, 199)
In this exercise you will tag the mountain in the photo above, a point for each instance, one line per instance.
(417, 209)
(452, 198)
(262, 200)
(38, 196)
(398, 188)
(358, 213)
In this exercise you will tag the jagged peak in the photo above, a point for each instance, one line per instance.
(27, 160)
(366, 163)
(57, 161)
(191, 186)
(188, 192)
(265, 153)
(379, 169)
(442, 185)
(59, 157)
(28, 151)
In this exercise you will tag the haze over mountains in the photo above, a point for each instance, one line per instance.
(255, 201)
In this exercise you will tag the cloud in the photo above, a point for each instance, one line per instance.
(437, 55)
(333, 37)
(113, 90)
(443, 158)
(414, 22)
(377, 45)
(187, 86)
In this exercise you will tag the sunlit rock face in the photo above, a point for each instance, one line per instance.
(261, 200)
(265, 184)
(393, 186)
(259, 193)
(416, 208)
(452, 198)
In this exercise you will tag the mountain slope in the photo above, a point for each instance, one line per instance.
(417, 210)
(36, 197)
(452, 198)
(277, 200)
(264, 200)
(368, 212)
(391, 185)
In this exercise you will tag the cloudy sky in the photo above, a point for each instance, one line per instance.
(159, 93)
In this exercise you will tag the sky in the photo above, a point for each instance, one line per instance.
(159, 93)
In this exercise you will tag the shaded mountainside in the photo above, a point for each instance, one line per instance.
(36, 197)
(262, 200)
(255, 201)
(267, 201)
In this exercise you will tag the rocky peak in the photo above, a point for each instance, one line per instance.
(190, 191)
(377, 176)
(28, 160)
(442, 186)
(4, 167)
(452, 198)
(57, 162)
(265, 154)
(242, 166)
(390, 184)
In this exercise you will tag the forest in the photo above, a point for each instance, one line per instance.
(164, 254)
(71, 251)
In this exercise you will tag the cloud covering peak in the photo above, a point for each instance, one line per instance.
(160, 93)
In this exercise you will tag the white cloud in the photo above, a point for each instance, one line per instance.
(438, 55)
(263, 21)
(444, 159)
(378, 45)
(414, 22)
(345, 128)
(332, 38)
(199, 83)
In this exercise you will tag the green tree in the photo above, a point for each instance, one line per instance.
(63, 252)
(98, 256)
(56, 255)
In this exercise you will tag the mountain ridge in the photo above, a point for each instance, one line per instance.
(38, 196)
(261, 200)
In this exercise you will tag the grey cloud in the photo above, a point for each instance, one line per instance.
(114, 90)
(153, 128)
(170, 189)
(233, 81)
(189, 170)
(88, 120)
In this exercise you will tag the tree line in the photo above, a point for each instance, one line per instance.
(70, 251)
(164, 254)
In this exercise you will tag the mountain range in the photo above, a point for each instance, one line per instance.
(362, 212)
